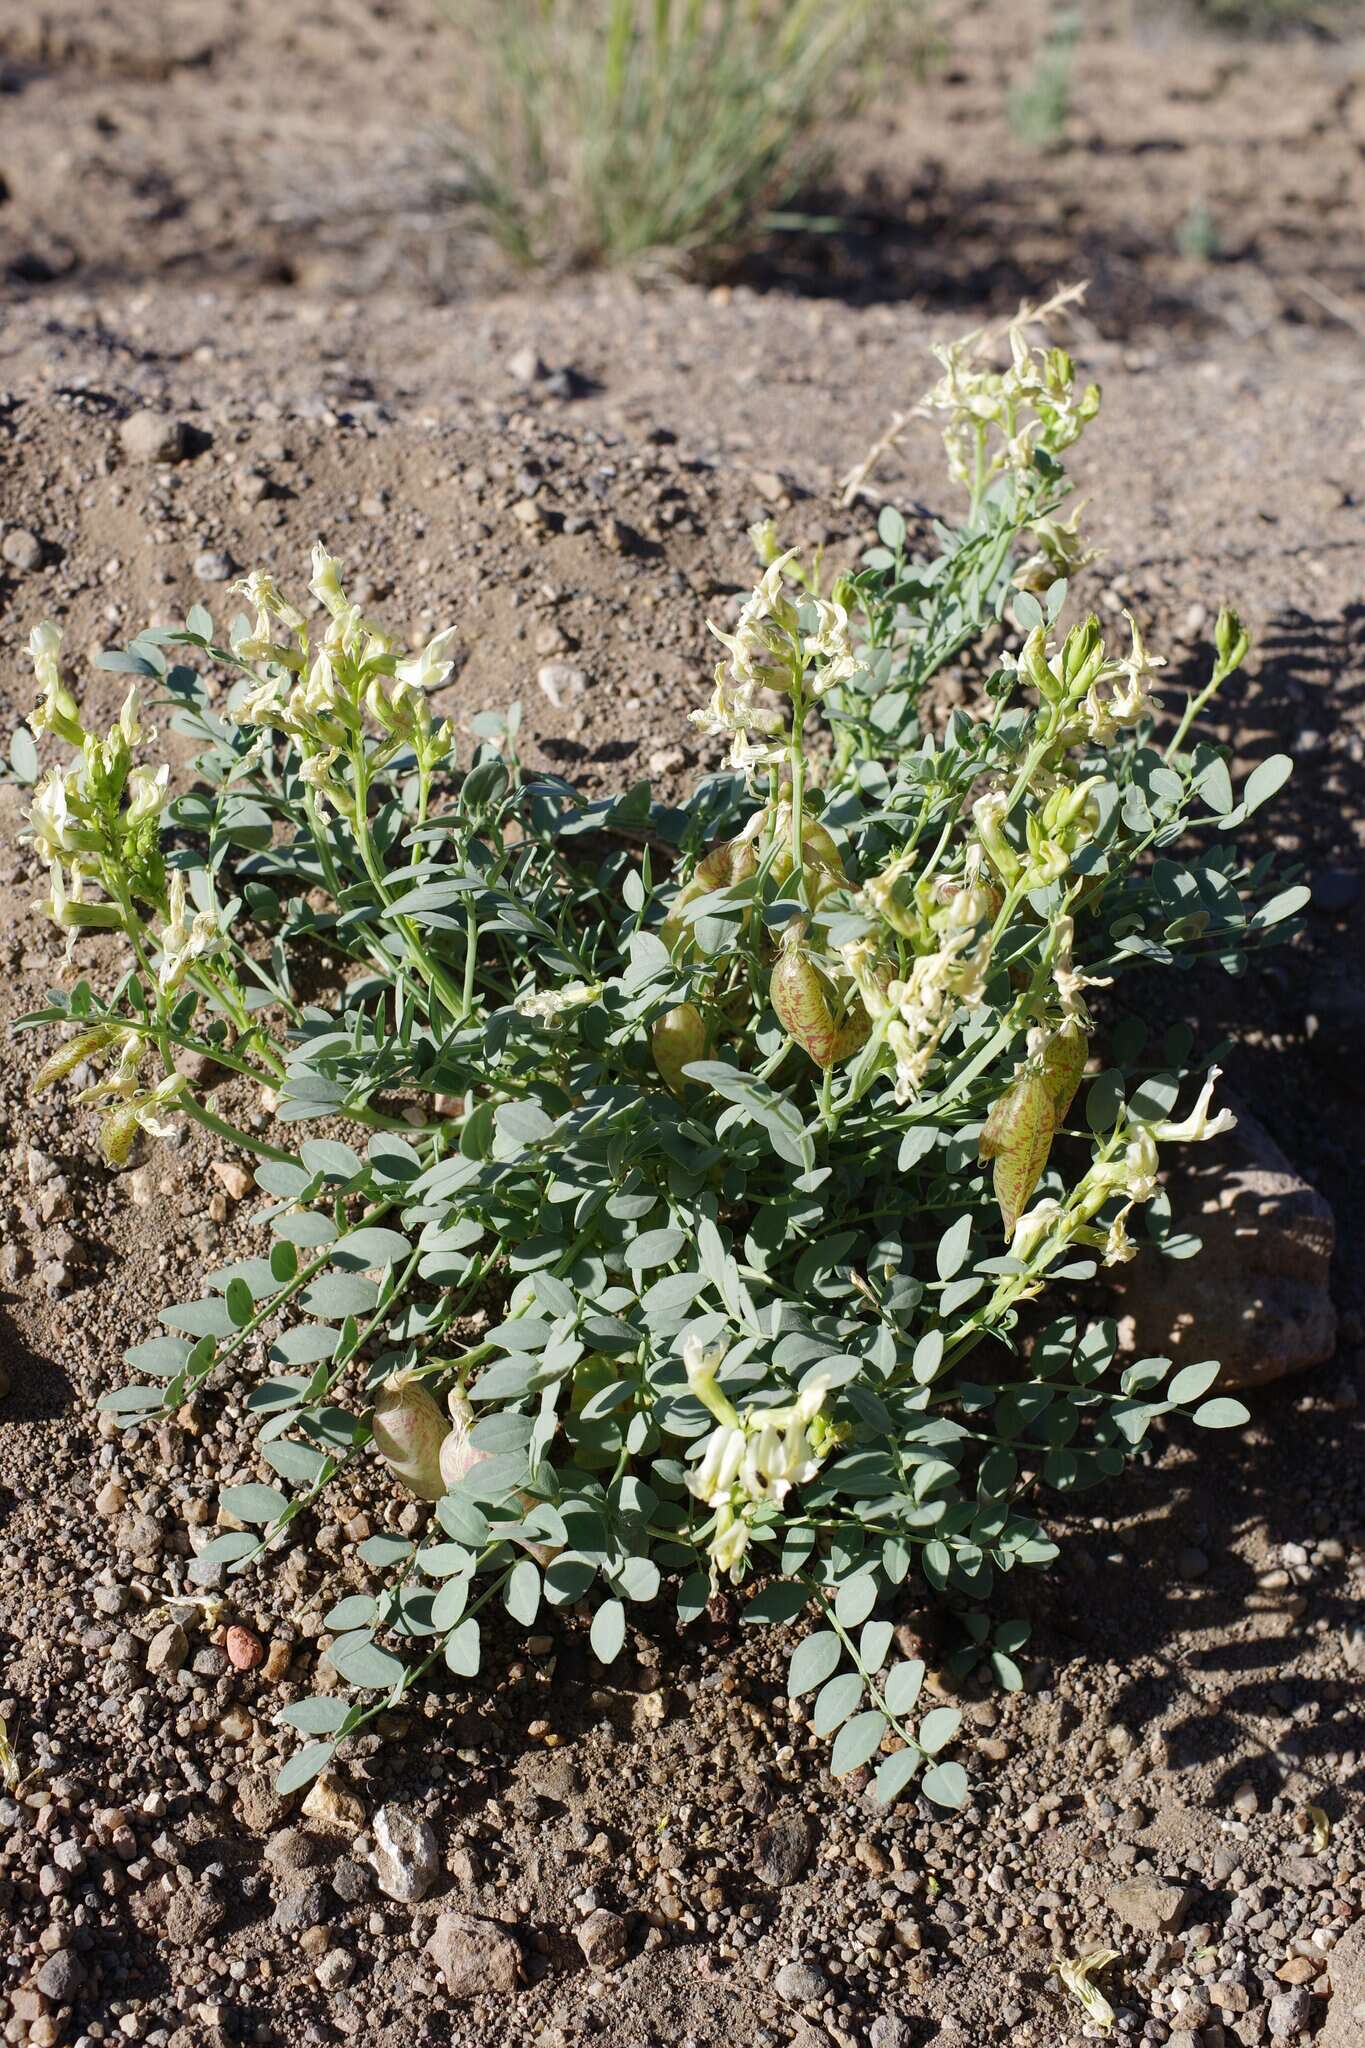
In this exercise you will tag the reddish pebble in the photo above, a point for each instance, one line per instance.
(245, 1651)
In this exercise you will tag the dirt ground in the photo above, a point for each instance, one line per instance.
(248, 217)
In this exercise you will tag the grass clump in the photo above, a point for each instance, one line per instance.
(615, 131)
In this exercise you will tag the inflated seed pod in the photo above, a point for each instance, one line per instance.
(409, 1431)
(1063, 1063)
(676, 1039)
(1018, 1136)
(818, 852)
(797, 994)
(796, 990)
(68, 1057)
(734, 860)
(117, 1132)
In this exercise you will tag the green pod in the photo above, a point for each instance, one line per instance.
(677, 1038)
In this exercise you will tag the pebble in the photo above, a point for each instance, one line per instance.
(167, 1650)
(478, 1958)
(328, 1800)
(782, 1849)
(22, 550)
(212, 566)
(560, 681)
(800, 1983)
(1149, 1906)
(1290, 2012)
(406, 1855)
(602, 1938)
(149, 436)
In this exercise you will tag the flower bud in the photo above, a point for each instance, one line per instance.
(1232, 641)
(409, 1430)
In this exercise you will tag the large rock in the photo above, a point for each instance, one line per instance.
(1345, 2025)
(1256, 1296)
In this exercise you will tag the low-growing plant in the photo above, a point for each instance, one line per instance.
(608, 131)
(702, 1164)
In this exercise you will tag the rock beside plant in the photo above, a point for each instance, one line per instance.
(1257, 1296)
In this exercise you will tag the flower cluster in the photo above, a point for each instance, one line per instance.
(751, 1459)
(997, 419)
(321, 692)
(1125, 1169)
(798, 648)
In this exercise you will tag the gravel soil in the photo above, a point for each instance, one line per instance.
(214, 211)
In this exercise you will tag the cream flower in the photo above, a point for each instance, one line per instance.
(548, 1005)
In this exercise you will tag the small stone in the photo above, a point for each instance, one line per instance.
(330, 1801)
(22, 550)
(149, 436)
(110, 1500)
(889, 2030)
(212, 566)
(800, 1984)
(301, 1904)
(525, 367)
(234, 1179)
(531, 515)
(782, 1850)
(602, 1938)
(406, 1856)
(261, 1805)
(290, 1850)
(167, 1650)
(1150, 1907)
(477, 1957)
(191, 1915)
(350, 1880)
(61, 1976)
(560, 681)
(244, 1650)
(336, 1968)
(1300, 1969)
(1290, 2012)
(1335, 890)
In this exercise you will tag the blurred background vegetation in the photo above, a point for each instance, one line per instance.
(677, 133)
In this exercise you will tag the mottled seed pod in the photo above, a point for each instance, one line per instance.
(117, 1132)
(678, 1038)
(1063, 1062)
(797, 993)
(1018, 1136)
(734, 860)
(409, 1431)
(68, 1057)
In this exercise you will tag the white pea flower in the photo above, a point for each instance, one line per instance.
(548, 1005)
(184, 938)
(325, 582)
(429, 669)
(1033, 1226)
(147, 790)
(55, 830)
(1198, 1125)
